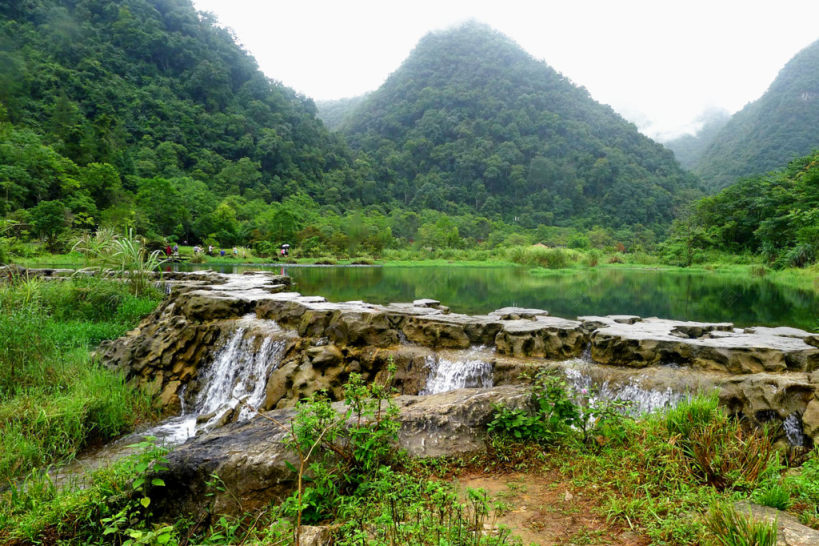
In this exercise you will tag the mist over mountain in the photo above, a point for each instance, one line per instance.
(782, 125)
(689, 149)
(471, 122)
(335, 113)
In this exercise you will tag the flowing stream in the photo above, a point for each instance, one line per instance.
(233, 383)
(466, 370)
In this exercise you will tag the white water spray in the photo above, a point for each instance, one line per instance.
(640, 400)
(233, 383)
(446, 374)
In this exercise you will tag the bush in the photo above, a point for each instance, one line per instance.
(717, 448)
(773, 495)
(541, 256)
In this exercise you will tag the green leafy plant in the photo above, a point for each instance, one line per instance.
(730, 528)
(133, 519)
(126, 255)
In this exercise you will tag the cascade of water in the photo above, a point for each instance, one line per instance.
(792, 426)
(447, 374)
(640, 400)
(237, 375)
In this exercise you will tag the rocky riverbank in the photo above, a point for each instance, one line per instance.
(214, 324)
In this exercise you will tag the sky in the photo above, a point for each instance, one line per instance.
(659, 63)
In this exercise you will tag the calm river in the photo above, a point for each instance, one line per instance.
(699, 296)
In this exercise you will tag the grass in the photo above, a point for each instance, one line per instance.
(54, 398)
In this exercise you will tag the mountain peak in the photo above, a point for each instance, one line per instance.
(471, 121)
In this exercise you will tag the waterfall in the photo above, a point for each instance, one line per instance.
(232, 384)
(641, 400)
(446, 374)
(792, 427)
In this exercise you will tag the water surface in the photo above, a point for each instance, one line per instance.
(682, 295)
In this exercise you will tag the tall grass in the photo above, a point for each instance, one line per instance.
(54, 399)
(125, 255)
(730, 528)
(541, 256)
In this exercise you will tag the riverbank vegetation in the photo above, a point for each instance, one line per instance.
(55, 398)
(666, 478)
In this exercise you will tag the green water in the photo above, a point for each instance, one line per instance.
(710, 297)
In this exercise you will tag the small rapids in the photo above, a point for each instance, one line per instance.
(640, 400)
(233, 383)
(449, 373)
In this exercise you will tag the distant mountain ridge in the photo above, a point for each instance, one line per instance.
(471, 122)
(781, 125)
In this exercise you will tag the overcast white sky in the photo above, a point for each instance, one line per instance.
(659, 63)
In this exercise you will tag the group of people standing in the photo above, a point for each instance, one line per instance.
(174, 251)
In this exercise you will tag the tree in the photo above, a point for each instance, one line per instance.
(48, 219)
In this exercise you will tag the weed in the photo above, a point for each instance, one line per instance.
(730, 528)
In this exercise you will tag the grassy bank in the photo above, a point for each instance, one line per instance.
(55, 399)
(542, 260)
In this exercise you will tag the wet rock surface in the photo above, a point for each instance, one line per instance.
(765, 373)
(252, 462)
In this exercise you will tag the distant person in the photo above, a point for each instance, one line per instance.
(168, 251)
(210, 250)
(235, 252)
(222, 252)
(175, 248)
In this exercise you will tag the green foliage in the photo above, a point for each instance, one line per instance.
(53, 399)
(718, 449)
(560, 413)
(541, 256)
(113, 507)
(774, 495)
(353, 446)
(470, 122)
(127, 255)
(776, 215)
(731, 528)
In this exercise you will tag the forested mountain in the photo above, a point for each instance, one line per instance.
(689, 149)
(782, 125)
(144, 112)
(471, 122)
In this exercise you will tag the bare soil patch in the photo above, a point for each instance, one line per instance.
(547, 509)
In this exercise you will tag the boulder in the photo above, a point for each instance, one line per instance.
(789, 531)
(254, 466)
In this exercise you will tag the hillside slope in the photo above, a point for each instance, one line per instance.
(471, 122)
(153, 89)
(782, 125)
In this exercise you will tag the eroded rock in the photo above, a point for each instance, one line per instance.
(252, 462)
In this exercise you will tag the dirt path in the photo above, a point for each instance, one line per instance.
(546, 509)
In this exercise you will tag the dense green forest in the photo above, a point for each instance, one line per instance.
(145, 114)
(471, 122)
(335, 113)
(775, 215)
(782, 125)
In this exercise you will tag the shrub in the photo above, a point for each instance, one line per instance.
(773, 495)
(717, 448)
